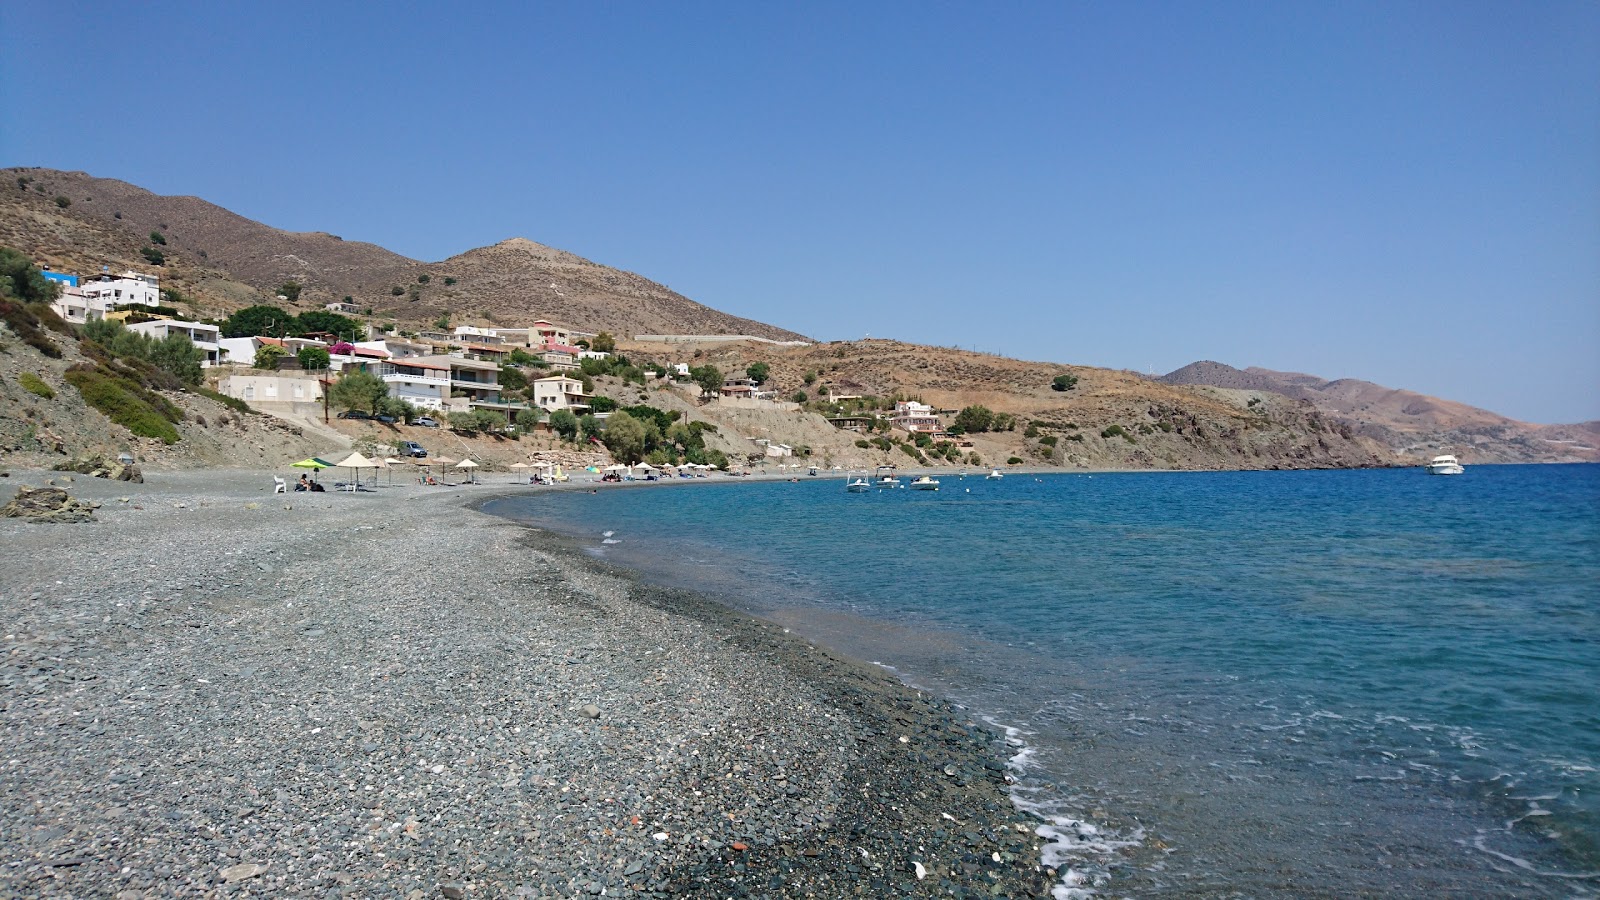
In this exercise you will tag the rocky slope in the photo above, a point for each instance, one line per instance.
(1406, 422)
(226, 261)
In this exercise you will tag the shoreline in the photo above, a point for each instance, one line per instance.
(365, 692)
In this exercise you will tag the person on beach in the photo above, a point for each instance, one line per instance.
(304, 484)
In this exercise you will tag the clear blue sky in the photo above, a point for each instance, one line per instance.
(1402, 192)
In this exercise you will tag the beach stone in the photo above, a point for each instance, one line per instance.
(590, 711)
(452, 891)
(47, 505)
(242, 871)
(97, 466)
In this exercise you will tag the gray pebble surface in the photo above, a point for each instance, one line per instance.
(215, 691)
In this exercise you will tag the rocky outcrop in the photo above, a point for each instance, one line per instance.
(48, 506)
(99, 467)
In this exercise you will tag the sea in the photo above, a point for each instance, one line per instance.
(1218, 684)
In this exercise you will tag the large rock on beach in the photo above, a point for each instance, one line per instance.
(48, 505)
(97, 466)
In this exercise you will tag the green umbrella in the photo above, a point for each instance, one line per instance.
(312, 463)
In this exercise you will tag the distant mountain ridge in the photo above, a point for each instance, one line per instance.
(508, 283)
(1406, 421)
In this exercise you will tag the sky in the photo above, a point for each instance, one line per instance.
(1407, 193)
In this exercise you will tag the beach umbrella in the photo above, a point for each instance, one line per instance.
(389, 463)
(356, 462)
(468, 465)
(313, 463)
(520, 467)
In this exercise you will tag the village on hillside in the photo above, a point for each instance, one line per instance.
(537, 379)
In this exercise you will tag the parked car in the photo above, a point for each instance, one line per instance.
(426, 422)
(412, 448)
(354, 414)
(386, 419)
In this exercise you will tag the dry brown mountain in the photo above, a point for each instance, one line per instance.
(226, 260)
(1405, 421)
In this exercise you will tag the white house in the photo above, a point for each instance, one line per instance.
(206, 337)
(417, 381)
(73, 306)
(288, 386)
(559, 392)
(129, 287)
(915, 417)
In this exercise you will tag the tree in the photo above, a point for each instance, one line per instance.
(63, 202)
(974, 419)
(512, 379)
(178, 356)
(603, 343)
(259, 320)
(758, 372)
(528, 419)
(564, 423)
(267, 356)
(158, 238)
(709, 378)
(153, 256)
(589, 427)
(322, 320)
(449, 281)
(356, 389)
(397, 290)
(799, 397)
(1064, 382)
(19, 278)
(810, 378)
(290, 291)
(601, 404)
(423, 278)
(313, 358)
(625, 437)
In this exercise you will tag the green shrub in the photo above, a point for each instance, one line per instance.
(153, 256)
(1165, 426)
(912, 451)
(863, 443)
(24, 321)
(1048, 440)
(449, 281)
(397, 290)
(1117, 431)
(1014, 461)
(233, 403)
(32, 384)
(1064, 382)
(600, 404)
(63, 202)
(124, 403)
(158, 238)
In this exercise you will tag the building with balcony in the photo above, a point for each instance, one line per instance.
(560, 392)
(916, 418)
(422, 384)
(205, 337)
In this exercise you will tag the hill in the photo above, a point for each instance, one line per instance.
(1405, 421)
(225, 261)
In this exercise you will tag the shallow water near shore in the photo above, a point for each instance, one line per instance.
(1261, 684)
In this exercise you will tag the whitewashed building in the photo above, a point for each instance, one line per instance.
(206, 337)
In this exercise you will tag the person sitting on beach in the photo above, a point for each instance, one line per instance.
(304, 484)
(316, 487)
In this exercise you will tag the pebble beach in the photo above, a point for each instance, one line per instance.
(213, 690)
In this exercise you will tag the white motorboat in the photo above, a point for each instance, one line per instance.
(994, 475)
(1445, 465)
(885, 477)
(925, 483)
(857, 484)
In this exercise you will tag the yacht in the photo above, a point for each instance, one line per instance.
(1445, 465)
(925, 483)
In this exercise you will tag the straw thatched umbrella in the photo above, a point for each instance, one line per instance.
(468, 465)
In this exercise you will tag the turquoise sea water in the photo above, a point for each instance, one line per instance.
(1215, 684)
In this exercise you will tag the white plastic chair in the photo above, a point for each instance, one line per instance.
(278, 486)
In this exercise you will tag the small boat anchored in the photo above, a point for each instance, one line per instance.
(925, 483)
(994, 475)
(1445, 465)
(857, 483)
(886, 478)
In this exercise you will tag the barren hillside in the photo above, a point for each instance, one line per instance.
(229, 261)
(1405, 421)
